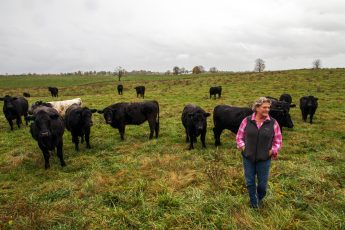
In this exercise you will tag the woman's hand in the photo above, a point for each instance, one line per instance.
(273, 156)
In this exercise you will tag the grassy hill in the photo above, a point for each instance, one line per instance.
(159, 184)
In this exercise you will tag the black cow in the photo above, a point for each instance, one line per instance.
(78, 121)
(216, 90)
(278, 104)
(229, 117)
(14, 108)
(308, 105)
(194, 120)
(38, 105)
(25, 94)
(121, 114)
(47, 129)
(120, 89)
(286, 97)
(140, 91)
(54, 91)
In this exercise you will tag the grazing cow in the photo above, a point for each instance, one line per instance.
(229, 117)
(60, 106)
(286, 97)
(140, 91)
(14, 108)
(25, 94)
(121, 114)
(78, 121)
(120, 89)
(216, 90)
(194, 120)
(308, 105)
(54, 91)
(47, 129)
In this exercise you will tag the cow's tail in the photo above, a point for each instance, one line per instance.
(156, 102)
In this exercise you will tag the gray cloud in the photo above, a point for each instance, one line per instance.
(60, 35)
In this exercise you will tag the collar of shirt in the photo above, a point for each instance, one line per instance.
(266, 119)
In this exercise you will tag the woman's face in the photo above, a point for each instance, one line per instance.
(263, 109)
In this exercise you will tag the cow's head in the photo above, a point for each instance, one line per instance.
(86, 116)
(43, 125)
(8, 102)
(108, 114)
(199, 120)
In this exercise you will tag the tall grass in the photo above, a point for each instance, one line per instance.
(159, 184)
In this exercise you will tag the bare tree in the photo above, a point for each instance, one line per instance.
(196, 70)
(213, 70)
(259, 65)
(176, 70)
(317, 64)
(119, 71)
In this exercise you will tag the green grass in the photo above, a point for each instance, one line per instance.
(159, 184)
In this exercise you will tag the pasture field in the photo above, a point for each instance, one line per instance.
(159, 184)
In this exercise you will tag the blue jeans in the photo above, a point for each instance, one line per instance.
(261, 170)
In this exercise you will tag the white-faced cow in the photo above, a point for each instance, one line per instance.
(216, 90)
(78, 121)
(121, 114)
(140, 91)
(47, 129)
(14, 108)
(53, 91)
(230, 117)
(60, 106)
(308, 106)
(194, 120)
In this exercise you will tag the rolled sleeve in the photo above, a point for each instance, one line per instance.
(277, 139)
(240, 134)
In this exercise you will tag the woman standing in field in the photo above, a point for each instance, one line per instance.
(259, 138)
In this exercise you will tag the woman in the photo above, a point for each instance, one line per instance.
(259, 138)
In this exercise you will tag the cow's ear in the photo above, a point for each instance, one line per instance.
(100, 111)
(207, 114)
(93, 110)
(190, 115)
(54, 116)
(1, 98)
(292, 105)
(30, 118)
(14, 98)
(316, 98)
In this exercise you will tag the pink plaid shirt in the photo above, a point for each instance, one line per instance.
(277, 139)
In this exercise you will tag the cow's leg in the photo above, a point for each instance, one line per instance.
(202, 137)
(210, 96)
(75, 140)
(46, 156)
(10, 122)
(122, 131)
(219, 95)
(217, 133)
(26, 118)
(191, 138)
(304, 116)
(311, 118)
(60, 152)
(18, 121)
(187, 136)
(87, 140)
(143, 95)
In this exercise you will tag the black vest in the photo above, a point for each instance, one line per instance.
(258, 142)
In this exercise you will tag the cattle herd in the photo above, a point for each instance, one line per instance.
(49, 119)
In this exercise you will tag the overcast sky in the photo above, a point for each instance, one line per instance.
(53, 36)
